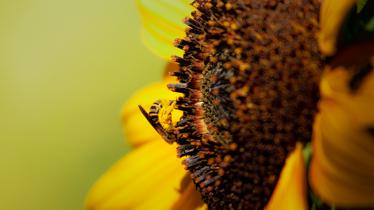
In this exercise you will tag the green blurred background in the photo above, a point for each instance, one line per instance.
(66, 68)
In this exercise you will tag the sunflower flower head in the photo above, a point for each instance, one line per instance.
(249, 78)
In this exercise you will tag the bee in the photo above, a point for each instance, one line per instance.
(160, 117)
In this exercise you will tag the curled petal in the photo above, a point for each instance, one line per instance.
(333, 14)
(162, 24)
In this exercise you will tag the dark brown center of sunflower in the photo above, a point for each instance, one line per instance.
(250, 77)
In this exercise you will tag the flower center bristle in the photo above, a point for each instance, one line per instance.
(250, 77)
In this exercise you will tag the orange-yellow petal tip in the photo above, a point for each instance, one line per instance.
(290, 192)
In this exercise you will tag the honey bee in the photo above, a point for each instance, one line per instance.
(160, 117)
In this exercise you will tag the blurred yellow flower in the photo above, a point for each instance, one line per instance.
(151, 176)
(342, 167)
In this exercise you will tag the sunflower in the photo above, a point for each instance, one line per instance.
(241, 112)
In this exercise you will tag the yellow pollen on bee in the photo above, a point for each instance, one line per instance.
(165, 115)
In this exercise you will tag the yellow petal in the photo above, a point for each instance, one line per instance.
(162, 24)
(333, 14)
(146, 178)
(342, 167)
(290, 192)
(137, 129)
(190, 199)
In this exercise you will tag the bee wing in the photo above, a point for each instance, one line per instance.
(157, 126)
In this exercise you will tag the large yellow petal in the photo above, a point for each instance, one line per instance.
(162, 24)
(137, 129)
(333, 14)
(290, 192)
(342, 167)
(147, 178)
